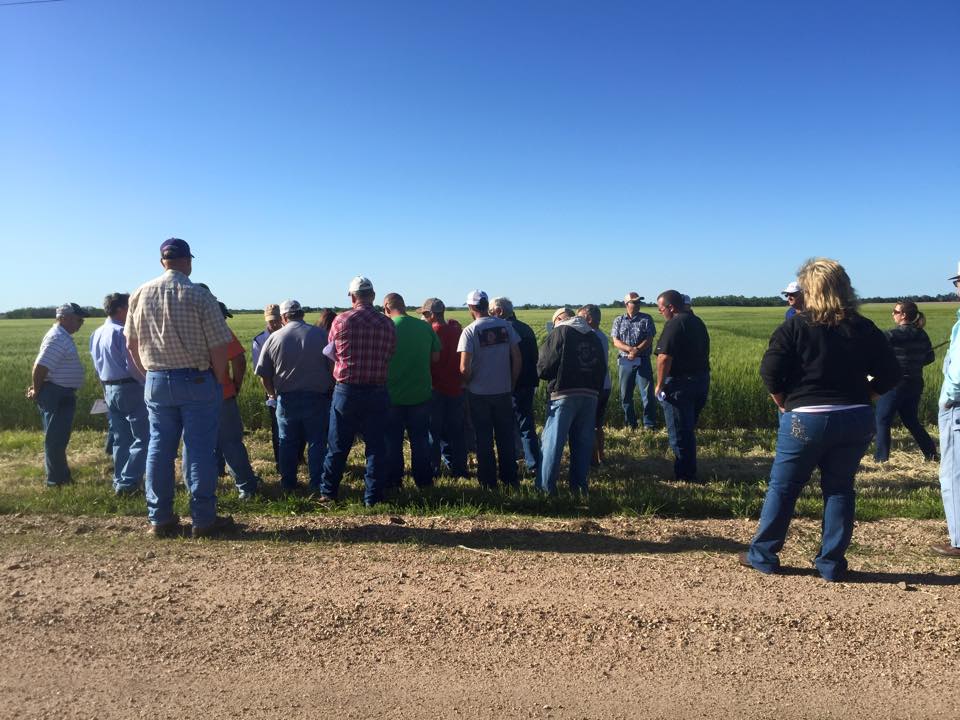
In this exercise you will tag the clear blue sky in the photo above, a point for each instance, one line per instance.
(549, 151)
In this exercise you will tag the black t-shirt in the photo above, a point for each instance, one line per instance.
(685, 339)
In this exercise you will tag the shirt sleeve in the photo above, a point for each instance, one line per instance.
(265, 367)
(667, 342)
(215, 328)
(235, 348)
(130, 326)
(51, 353)
(778, 361)
(465, 344)
(615, 328)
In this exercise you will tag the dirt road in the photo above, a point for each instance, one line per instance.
(438, 618)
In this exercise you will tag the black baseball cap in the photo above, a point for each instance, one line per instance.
(174, 248)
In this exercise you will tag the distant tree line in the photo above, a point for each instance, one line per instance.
(702, 300)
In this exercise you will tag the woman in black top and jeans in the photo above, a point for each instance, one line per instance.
(816, 370)
(913, 350)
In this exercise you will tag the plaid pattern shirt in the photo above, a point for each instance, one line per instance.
(633, 331)
(364, 341)
(175, 323)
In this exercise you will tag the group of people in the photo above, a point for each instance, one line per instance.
(171, 369)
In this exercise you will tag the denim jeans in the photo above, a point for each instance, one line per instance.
(448, 441)
(415, 419)
(230, 441)
(523, 412)
(905, 400)
(685, 398)
(302, 417)
(949, 421)
(492, 417)
(630, 377)
(835, 442)
(57, 406)
(573, 416)
(182, 401)
(357, 409)
(129, 432)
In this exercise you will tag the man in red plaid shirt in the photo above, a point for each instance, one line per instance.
(362, 342)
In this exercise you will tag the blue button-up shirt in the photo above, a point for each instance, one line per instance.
(950, 390)
(108, 348)
(633, 331)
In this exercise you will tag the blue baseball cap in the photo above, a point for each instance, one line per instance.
(174, 248)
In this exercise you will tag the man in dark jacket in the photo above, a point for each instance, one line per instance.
(526, 386)
(683, 379)
(573, 363)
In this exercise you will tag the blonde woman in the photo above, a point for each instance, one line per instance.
(913, 350)
(816, 369)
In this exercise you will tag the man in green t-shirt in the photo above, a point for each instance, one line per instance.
(410, 387)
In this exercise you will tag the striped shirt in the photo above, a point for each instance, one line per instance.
(175, 323)
(364, 341)
(58, 354)
(108, 348)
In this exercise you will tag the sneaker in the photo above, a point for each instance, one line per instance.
(169, 529)
(220, 525)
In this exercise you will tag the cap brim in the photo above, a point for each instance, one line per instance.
(955, 277)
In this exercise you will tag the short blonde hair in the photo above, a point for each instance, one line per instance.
(828, 295)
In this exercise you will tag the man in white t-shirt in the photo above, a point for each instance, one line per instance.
(490, 363)
(57, 375)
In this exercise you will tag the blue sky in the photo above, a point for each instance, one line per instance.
(549, 151)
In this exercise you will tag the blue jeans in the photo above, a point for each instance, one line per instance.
(447, 437)
(572, 416)
(357, 409)
(57, 405)
(905, 400)
(630, 377)
(492, 416)
(835, 442)
(230, 441)
(302, 417)
(415, 419)
(949, 421)
(182, 401)
(685, 398)
(129, 432)
(523, 411)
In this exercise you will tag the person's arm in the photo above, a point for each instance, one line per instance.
(238, 367)
(218, 362)
(39, 377)
(133, 347)
(664, 363)
(135, 371)
(466, 366)
(516, 364)
(779, 399)
(268, 388)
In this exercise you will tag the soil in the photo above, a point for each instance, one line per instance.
(371, 617)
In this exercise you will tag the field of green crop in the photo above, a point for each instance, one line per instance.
(737, 398)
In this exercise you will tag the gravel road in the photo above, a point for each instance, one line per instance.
(370, 617)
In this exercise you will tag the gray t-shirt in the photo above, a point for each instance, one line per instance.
(605, 341)
(488, 340)
(293, 357)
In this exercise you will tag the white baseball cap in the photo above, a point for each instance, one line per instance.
(289, 306)
(475, 296)
(360, 284)
(792, 288)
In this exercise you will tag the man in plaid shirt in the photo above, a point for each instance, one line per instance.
(362, 342)
(178, 338)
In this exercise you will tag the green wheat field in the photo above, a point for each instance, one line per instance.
(736, 441)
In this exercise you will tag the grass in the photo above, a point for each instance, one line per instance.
(737, 397)
(734, 463)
